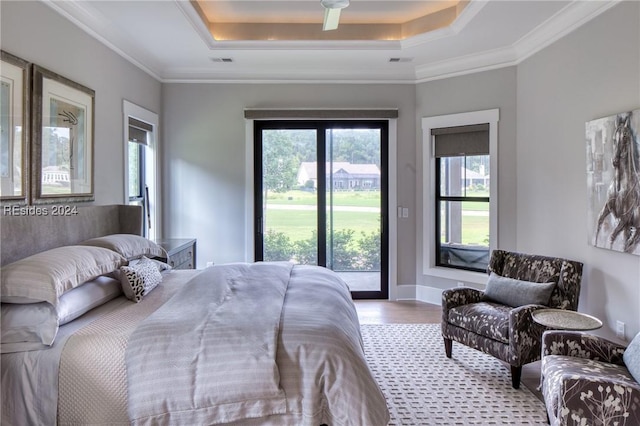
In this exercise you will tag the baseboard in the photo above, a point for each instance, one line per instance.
(429, 294)
(420, 293)
(406, 292)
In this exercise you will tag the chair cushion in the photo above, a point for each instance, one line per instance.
(556, 369)
(631, 357)
(487, 319)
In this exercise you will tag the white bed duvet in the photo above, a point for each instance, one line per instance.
(287, 353)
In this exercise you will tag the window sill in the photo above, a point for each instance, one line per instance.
(457, 275)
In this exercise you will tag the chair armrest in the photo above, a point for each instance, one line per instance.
(520, 318)
(459, 296)
(582, 345)
(525, 335)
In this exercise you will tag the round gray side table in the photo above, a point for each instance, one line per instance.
(562, 319)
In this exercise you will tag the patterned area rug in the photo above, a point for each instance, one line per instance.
(424, 387)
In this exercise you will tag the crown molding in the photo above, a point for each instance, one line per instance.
(468, 64)
(568, 19)
(308, 45)
(324, 76)
(562, 23)
(97, 26)
(197, 23)
(465, 17)
(200, 27)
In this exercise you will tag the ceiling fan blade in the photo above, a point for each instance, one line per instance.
(331, 18)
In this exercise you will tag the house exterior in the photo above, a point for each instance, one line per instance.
(473, 178)
(341, 176)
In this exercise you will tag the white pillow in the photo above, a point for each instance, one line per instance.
(138, 280)
(46, 276)
(89, 295)
(128, 245)
(34, 326)
(27, 327)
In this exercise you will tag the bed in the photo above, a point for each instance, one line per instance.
(266, 343)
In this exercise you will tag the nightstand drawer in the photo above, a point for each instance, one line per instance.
(181, 252)
(183, 259)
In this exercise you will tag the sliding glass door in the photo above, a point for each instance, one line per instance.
(321, 198)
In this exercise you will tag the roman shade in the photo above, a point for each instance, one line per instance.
(461, 140)
(138, 131)
(268, 114)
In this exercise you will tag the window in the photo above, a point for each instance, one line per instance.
(140, 164)
(137, 146)
(462, 197)
(459, 194)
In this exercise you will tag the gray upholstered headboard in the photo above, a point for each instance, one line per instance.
(24, 235)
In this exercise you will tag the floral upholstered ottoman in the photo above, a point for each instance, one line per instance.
(586, 380)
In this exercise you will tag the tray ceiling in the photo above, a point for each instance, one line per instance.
(175, 40)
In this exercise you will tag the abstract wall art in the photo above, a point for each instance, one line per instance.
(613, 182)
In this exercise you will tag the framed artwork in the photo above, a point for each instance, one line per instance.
(613, 182)
(14, 129)
(62, 152)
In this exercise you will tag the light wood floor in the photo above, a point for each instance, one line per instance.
(401, 312)
(412, 312)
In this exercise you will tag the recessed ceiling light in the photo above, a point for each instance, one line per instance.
(222, 59)
(400, 59)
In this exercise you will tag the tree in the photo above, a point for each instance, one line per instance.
(356, 146)
(279, 161)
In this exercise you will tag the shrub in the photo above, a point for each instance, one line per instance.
(345, 257)
(306, 251)
(347, 254)
(370, 255)
(277, 246)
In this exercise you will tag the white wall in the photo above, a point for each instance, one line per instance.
(591, 73)
(34, 32)
(204, 130)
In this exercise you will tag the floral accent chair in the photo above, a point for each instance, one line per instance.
(586, 380)
(504, 328)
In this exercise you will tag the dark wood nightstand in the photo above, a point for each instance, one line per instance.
(181, 252)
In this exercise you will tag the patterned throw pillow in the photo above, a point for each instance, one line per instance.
(138, 280)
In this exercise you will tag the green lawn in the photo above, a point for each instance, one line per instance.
(476, 230)
(299, 224)
(351, 198)
(346, 198)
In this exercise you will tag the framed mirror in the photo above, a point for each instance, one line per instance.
(62, 151)
(14, 129)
